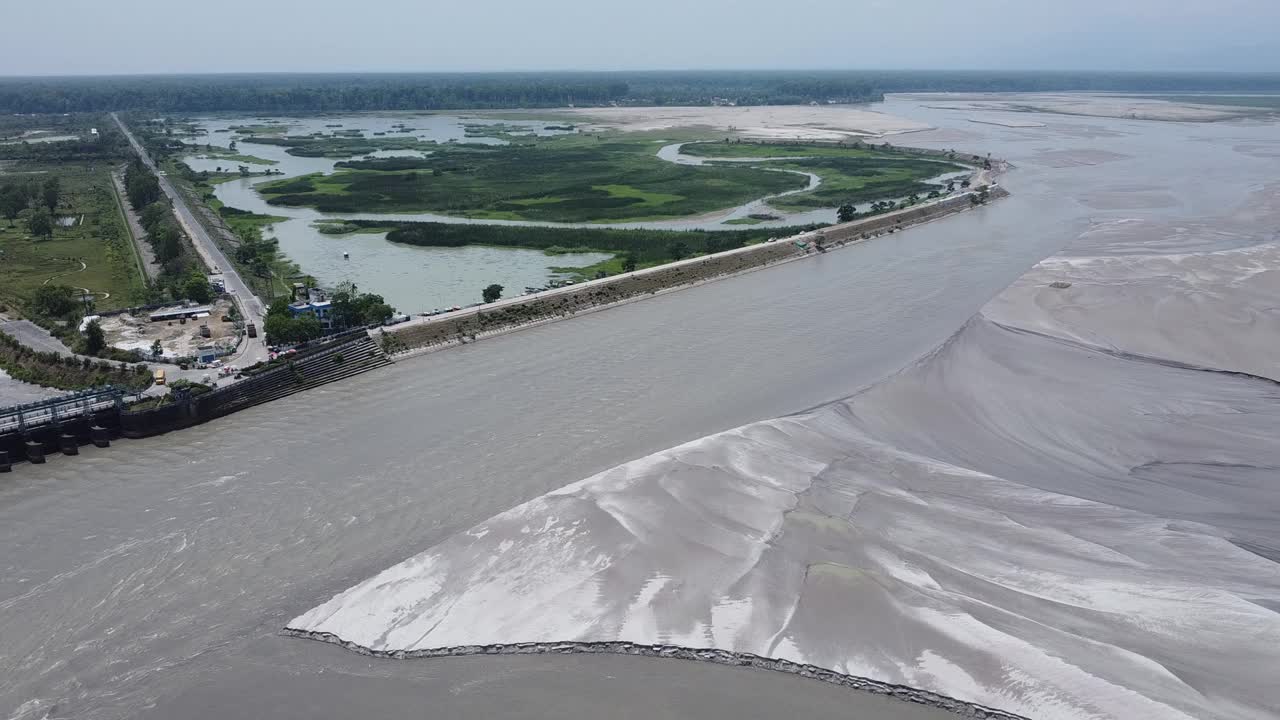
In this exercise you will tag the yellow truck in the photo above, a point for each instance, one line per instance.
(158, 376)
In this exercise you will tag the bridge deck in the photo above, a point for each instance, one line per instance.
(20, 418)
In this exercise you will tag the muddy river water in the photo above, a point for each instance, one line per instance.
(152, 579)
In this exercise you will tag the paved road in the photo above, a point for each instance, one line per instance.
(34, 336)
(251, 350)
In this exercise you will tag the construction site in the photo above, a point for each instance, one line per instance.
(200, 333)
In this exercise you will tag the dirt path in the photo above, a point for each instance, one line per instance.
(146, 256)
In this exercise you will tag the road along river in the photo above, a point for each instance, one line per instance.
(153, 578)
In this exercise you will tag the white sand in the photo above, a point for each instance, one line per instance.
(1115, 106)
(774, 121)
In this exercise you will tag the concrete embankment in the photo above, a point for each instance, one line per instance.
(517, 313)
(64, 424)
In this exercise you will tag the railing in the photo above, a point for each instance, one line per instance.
(21, 418)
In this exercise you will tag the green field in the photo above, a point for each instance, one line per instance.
(768, 150)
(860, 180)
(850, 174)
(95, 253)
(608, 178)
(566, 179)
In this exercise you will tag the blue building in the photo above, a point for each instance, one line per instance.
(320, 308)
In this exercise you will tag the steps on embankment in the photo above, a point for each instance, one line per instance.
(340, 358)
(333, 363)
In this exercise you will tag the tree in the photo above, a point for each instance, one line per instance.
(629, 262)
(279, 307)
(40, 223)
(141, 185)
(350, 308)
(492, 293)
(152, 215)
(846, 213)
(197, 288)
(374, 311)
(285, 329)
(157, 349)
(53, 300)
(94, 339)
(13, 200)
(165, 241)
(678, 250)
(307, 327)
(279, 329)
(51, 192)
(31, 192)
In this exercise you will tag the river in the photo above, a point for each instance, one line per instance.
(155, 576)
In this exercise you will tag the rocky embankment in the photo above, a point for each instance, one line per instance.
(721, 657)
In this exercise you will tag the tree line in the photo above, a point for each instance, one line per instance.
(643, 247)
(180, 277)
(308, 93)
(107, 145)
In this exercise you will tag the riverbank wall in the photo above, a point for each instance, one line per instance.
(471, 324)
(47, 433)
(344, 356)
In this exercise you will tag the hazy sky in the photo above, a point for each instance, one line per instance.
(50, 37)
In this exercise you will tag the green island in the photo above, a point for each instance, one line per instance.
(215, 152)
(340, 146)
(494, 129)
(599, 178)
(854, 173)
(267, 129)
